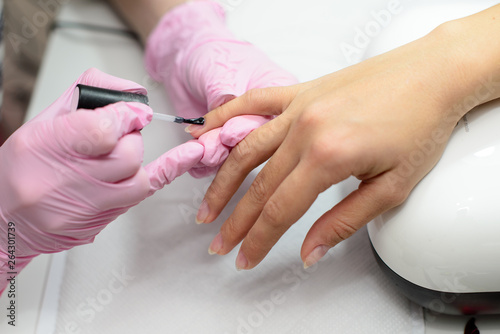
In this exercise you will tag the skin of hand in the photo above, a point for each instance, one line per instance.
(66, 174)
(385, 121)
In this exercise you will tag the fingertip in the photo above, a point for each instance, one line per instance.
(242, 262)
(194, 129)
(315, 255)
(215, 118)
(174, 163)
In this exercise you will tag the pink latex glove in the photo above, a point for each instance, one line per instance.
(65, 175)
(219, 142)
(203, 65)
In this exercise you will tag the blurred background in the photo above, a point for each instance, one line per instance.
(25, 26)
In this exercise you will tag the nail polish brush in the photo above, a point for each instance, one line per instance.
(89, 97)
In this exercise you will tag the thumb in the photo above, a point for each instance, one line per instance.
(96, 132)
(172, 164)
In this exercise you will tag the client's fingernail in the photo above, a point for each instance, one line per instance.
(192, 127)
(241, 261)
(203, 212)
(216, 245)
(315, 255)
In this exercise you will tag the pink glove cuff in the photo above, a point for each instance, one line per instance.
(179, 31)
(202, 64)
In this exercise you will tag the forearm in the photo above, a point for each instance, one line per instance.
(143, 15)
(477, 54)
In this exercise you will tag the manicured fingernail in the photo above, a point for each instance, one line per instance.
(192, 127)
(203, 212)
(315, 255)
(216, 245)
(241, 261)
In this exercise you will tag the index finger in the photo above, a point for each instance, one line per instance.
(260, 101)
(94, 77)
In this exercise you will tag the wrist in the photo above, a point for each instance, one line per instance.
(472, 50)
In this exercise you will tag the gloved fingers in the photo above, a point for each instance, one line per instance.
(215, 152)
(121, 163)
(220, 99)
(273, 77)
(184, 104)
(237, 128)
(94, 77)
(203, 171)
(123, 194)
(219, 71)
(172, 164)
(218, 142)
(91, 77)
(96, 132)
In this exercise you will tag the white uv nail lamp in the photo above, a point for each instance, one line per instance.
(442, 246)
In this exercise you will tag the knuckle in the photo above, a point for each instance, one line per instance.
(258, 190)
(340, 230)
(28, 193)
(324, 151)
(243, 152)
(334, 149)
(231, 231)
(272, 214)
(20, 143)
(395, 197)
(143, 184)
(312, 115)
(253, 243)
(254, 95)
(107, 142)
(217, 189)
(322, 148)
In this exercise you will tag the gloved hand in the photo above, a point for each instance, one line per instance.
(219, 142)
(65, 175)
(203, 65)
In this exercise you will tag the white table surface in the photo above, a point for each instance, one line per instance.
(62, 66)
